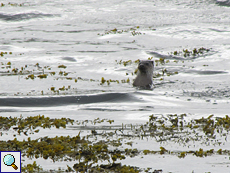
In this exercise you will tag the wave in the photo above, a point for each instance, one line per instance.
(158, 55)
(206, 72)
(182, 56)
(23, 16)
(209, 93)
(223, 2)
(64, 100)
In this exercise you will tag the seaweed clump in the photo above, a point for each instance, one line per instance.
(93, 155)
(23, 125)
(194, 52)
(133, 31)
(76, 148)
(11, 4)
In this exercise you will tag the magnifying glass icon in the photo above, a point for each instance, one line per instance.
(9, 160)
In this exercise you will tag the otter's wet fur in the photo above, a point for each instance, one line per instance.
(144, 77)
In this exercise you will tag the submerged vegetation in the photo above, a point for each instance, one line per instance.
(29, 124)
(11, 4)
(133, 31)
(5, 53)
(194, 52)
(88, 152)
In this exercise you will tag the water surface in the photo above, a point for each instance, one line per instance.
(80, 35)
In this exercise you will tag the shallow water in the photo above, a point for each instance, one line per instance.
(43, 35)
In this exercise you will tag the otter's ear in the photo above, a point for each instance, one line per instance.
(152, 62)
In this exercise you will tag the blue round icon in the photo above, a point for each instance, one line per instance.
(8, 159)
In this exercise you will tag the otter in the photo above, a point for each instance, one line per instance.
(144, 77)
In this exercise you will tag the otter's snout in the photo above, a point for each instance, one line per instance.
(142, 67)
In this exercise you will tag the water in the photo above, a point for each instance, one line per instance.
(43, 35)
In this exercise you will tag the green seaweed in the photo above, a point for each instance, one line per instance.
(5, 53)
(88, 152)
(133, 31)
(12, 4)
(194, 52)
(62, 66)
(30, 168)
(31, 123)
(42, 76)
(103, 80)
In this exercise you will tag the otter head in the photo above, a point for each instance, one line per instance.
(144, 77)
(146, 66)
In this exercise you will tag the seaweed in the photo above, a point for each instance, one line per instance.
(12, 4)
(88, 152)
(195, 52)
(133, 31)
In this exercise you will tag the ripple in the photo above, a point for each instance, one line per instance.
(23, 16)
(71, 59)
(223, 3)
(158, 55)
(64, 100)
(93, 51)
(206, 72)
(211, 93)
